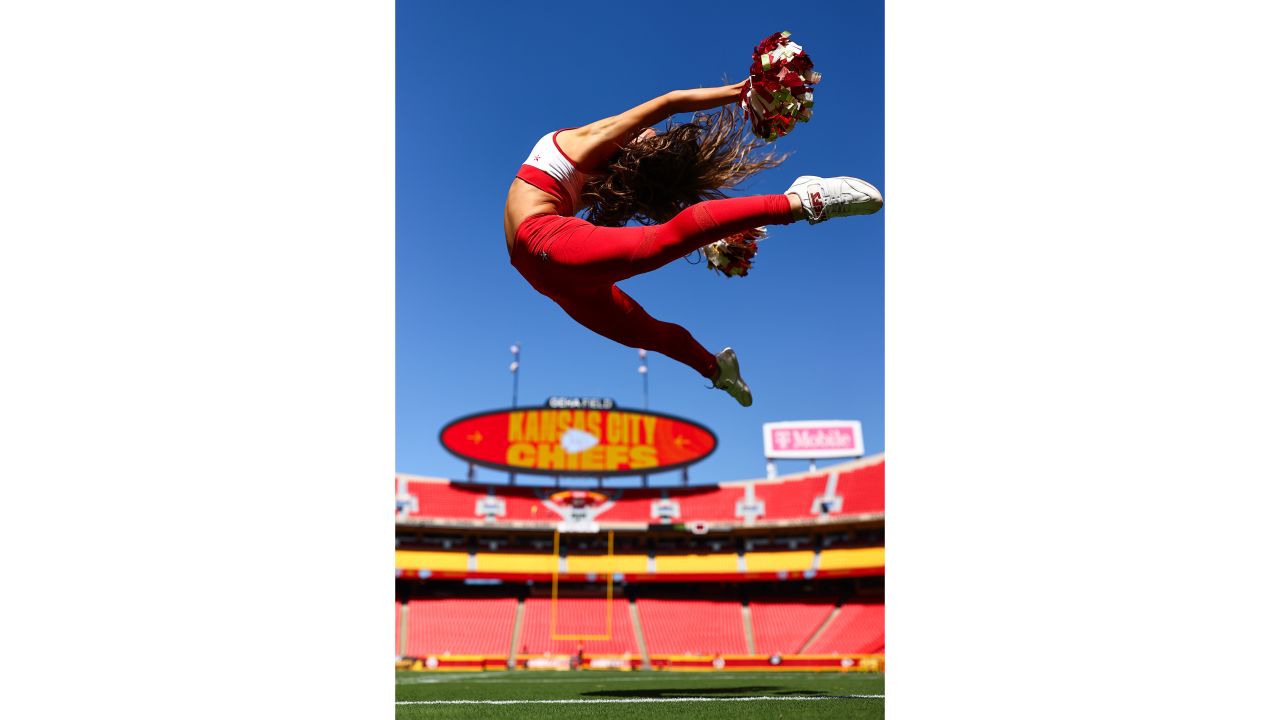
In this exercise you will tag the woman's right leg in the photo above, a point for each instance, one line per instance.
(605, 255)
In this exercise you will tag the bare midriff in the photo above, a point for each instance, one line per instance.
(523, 202)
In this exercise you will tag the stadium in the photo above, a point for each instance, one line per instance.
(773, 584)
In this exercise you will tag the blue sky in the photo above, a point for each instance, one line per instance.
(478, 84)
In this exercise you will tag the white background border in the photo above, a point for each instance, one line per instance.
(197, 298)
(197, 290)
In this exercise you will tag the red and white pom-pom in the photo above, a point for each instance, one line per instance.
(733, 255)
(780, 91)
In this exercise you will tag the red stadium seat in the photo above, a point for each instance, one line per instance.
(784, 627)
(442, 500)
(480, 626)
(856, 629)
(698, 627)
(791, 498)
(711, 505)
(631, 508)
(577, 616)
(862, 489)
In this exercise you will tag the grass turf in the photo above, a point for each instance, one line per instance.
(639, 686)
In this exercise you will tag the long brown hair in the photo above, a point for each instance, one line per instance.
(652, 179)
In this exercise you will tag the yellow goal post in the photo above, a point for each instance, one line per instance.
(555, 594)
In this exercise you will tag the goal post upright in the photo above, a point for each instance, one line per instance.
(555, 593)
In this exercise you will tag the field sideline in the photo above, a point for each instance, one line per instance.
(605, 695)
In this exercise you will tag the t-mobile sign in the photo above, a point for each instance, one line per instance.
(813, 439)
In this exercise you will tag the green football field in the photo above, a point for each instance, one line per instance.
(604, 695)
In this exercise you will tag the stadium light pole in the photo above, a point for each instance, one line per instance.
(515, 390)
(515, 373)
(644, 375)
(644, 379)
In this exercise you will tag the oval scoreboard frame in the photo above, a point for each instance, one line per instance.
(536, 440)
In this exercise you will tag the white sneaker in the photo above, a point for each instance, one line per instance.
(729, 380)
(825, 198)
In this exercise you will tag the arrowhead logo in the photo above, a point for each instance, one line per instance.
(475, 437)
(575, 441)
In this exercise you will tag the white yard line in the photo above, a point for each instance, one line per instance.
(593, 701)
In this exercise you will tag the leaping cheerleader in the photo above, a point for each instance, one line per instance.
(618, 169)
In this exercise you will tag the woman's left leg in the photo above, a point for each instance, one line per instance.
(614, 314)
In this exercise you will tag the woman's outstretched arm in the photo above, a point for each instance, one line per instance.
(590, 145)
(704, 98)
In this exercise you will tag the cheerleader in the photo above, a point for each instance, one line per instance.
(619, 169)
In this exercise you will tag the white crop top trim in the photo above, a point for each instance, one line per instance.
(549, 158)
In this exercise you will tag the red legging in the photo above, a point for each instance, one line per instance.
(576, 264)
